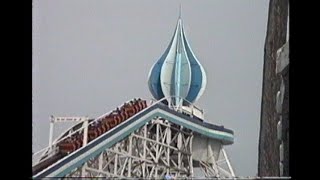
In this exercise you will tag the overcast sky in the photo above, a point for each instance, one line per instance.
(89, 56)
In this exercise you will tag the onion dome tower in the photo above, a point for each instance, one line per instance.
(178, 73)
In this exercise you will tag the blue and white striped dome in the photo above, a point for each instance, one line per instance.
(178, 72)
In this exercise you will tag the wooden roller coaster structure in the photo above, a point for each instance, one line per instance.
(95, 129)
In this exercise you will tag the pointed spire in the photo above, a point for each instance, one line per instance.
(180, 11)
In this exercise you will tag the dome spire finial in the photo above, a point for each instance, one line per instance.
(180, 11)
